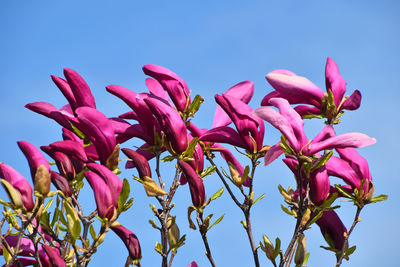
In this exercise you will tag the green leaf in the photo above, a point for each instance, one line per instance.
(350, 251)
(217, 194)
(225, 174)
(330, 102)
(123, 195)
(194, 107)
(210, 170)
(168, 158)
(259, 198)
(287, 211)
(48, 205)
(153, 224)
(344, 192)
(158, 248)
(216, 222)
(191, 147)
(4, 203)
(322, 161)
(328, 202)
(277, 247)
(128, 204)
(379, 198)
(245, 174)
(316, 218)
(313, 116)
(306, 258)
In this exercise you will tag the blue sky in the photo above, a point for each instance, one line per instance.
(212, 45)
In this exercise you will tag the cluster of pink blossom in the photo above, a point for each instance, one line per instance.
(162, 119)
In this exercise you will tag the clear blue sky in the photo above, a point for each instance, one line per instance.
(212, 45)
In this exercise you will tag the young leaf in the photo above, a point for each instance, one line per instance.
(124, 195)
(216, 222)
(259, 198)
(92, 232)
(277, 247)
(48, 205)
(344, 192)
(210, 170)
(379, 198)
(190, 210)
(217, 194)
(287, 211)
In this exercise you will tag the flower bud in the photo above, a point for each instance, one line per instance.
(301, 250)
(236, 177)
(13, 194)
(173, 232)
(268, 248)
(42, 180)
(113, 160)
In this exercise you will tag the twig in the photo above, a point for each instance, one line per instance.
(203, 232)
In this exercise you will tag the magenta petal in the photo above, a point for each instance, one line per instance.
(171, 123)
(319, 185)
(353, 102)
(273, 94)
(243, 91)
(65, 90)
(176, 87)
(145, 153)
(54, 256)
(340, 168)
(130, 240)
(102, 194)
(130, 115)
(139, 161)
(97, 127)
(230, 158)
(27, 248)
(19, 183)
(295, 89)
(327, 132)
(341, 141)
(307, 110)
(223, 134)
(50, 111)
(71, 148)
(156, 89)
(279, 122)
(80, 89)
(111, 179)
(193, 264)
(196, 185)
(273, 153)
(356, 161)
(34, 156)
(293, 118)
(61, 183)
(334, 81)
(331, 226)
(68, 135)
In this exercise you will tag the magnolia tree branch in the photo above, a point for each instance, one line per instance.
(203, 231)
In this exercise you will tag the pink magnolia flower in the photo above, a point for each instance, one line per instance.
(196, 185)
(175, 86)
(193, 264)
(130, 240)
(54, 256)
(290, 124)
(139, 161)
(19, 183)
(61, 183)
(299, 90)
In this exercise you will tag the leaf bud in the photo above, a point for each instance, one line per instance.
(173, 232)
(152, 188)
(13, 194)
(269, 248)
(301, 250)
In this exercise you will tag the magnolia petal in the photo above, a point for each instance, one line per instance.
(319, 185)
(353, 102)
(327, 132)
(334, 81)
(19, 183)
(341, 141)
(71, 148)
(54, 256)
(130, 240)
(273, 153)
(61, 183)
(303, 110)
(102, 194)
(50, 111)
(34, 156)
(223, 134)
(356, 161)
(331, 226)
(296, 89)
(156, 89)
(243, 91)
(98, 128)
(171, 123)
(112, 180)
(340, 168)
(130, 115)
(140, 162)
(80, 89)
(65, 90)
(134, 130)
(279, 122)
(196, 185)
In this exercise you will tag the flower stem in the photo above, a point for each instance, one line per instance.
(203, 231)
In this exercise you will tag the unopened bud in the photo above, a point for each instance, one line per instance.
(173, 232)
(269, 248)
(13, 194)
(152, 188)
(306, 217)
(42, 180)
(301, 250)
